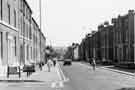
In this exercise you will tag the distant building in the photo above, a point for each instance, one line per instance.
(76, 52)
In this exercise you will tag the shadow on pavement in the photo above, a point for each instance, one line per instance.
(113, 67)
(123, 69)
(132, 88)
(19, 81)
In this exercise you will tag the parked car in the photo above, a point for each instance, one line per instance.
(67, 62)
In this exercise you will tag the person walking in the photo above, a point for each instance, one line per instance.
(94, 64)
(54, 61)
(89, 61)
(40, 66)
(49, 63)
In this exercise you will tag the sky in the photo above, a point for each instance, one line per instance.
(68, 21)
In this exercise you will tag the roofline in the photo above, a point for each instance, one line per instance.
(35, 22)
(28, 5)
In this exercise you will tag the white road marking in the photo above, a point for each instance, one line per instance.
(61, 84)
(53, 85)
(57, 85)
(58, 72)
(62, 74)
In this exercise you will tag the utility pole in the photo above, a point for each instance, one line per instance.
(40, 6)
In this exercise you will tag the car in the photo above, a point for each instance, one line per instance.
(67, 62)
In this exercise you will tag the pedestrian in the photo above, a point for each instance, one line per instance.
(89, 61)
(94, 64)
(54, 61)
(40, 66)
(49, 64)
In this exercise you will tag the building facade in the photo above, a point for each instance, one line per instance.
(25, 32)
(19, 40)
(112, 43)
(124, 38)
(43, 45)
(8, 34)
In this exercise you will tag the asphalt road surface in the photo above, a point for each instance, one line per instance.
(78, 77)
(82, 77)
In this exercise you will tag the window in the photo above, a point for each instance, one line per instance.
(30, 34)
(126, 52)
(126, 35)
(9, 13)
(31, 52)
(21, 25)
(23, 8)
(27, 52)
(1, 45)
(26, 30)
(14, 18)
(23, 28)
(1, 9)
(26, 13)
(21, 5)
(15, 45)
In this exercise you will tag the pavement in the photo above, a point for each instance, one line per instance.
(118, 70)
(40, 80)
(130, 72)
(49, 76)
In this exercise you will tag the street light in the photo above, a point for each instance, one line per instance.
(40, 6)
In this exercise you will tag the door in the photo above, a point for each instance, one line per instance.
(12, 61)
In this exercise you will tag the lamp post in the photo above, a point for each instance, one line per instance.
(40, 6)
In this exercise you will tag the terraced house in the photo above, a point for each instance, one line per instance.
(113, 43)
(25, 32)
(124, 28)
(17, 42)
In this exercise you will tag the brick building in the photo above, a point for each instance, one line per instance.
(8, 34)
(17, 35)
(25, 32)
(124, 38)
(113, 43)
(35, 29)
(42, 47)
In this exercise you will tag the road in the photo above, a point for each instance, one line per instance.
(78, 76)
(82, 77)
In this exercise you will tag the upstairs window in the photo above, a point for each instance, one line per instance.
(14, 18)
(1, 9)
(8, 13)
(15, 46)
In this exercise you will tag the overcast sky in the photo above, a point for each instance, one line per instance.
(67, 21)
